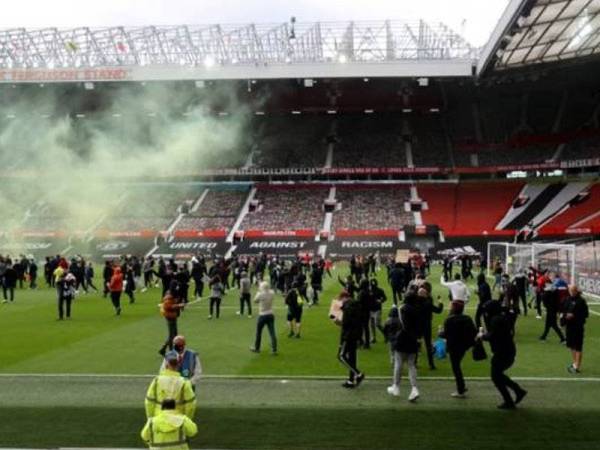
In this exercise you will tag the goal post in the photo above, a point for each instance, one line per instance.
(557, 258)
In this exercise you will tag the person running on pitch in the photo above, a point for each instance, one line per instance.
(170, 308)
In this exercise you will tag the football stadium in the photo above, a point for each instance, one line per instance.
(302, 235)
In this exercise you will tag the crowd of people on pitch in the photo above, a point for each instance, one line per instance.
(410, 318)
(18, 272)
(299, 280)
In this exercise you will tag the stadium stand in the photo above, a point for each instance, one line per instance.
(575, 215)
(369, 141)
(287, 208)
(291, 141)
(429, 146)
(372, 208)
(467, 209)
(152, 208)
(582, 148)
(218, 211)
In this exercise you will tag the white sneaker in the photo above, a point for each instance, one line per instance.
(458, 395)
(414, 395)
(393, 390)
(238, 313)
(538, 317)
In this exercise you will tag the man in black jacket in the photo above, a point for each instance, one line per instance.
(365, 299)
(484, 292)
(576, 313)
(459, 332)
(352, 320)
(10, 283)
(106, 276)
(426, 309)
(550, 302)
(378, 297)
(396, 279)
(500, 334)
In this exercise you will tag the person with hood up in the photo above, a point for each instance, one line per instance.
(169, 430)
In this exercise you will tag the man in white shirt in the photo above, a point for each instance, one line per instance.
(458, 289)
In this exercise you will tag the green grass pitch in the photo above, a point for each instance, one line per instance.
(257, 400)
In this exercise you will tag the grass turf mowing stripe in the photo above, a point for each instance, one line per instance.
(277, 377)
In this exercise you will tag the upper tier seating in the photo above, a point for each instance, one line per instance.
(284, 208)
(372, 208)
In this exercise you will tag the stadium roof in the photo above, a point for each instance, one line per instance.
(284, 50)
(541, 31)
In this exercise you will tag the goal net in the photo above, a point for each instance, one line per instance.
(557, 258)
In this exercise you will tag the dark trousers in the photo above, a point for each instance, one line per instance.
(366, 332)
(8, 292)
(81, 282)
(455, 360)
(503, 383)
(428, 344)
(147, 279)
(245, 301)
(198, 287)
(538, 304)
(106, 290)
(551, 323)
(347, 356)
(32, 281)
(62, 302)
(131, 295)
(269, 321)
(90, 283)
(215, 304)
(397, 295)
(316, 289)
(478, 315)
(522, 296)
(115, 297)
(171, 333)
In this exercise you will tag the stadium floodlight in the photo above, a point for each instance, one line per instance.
(331, 111)
(209, 61)
(368, 111)
(434, 110)
(296, 112)
(407, 110)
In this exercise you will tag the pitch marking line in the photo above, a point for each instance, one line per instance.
(279, 377)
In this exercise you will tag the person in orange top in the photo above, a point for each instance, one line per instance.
(170, 309)
(115, 286)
